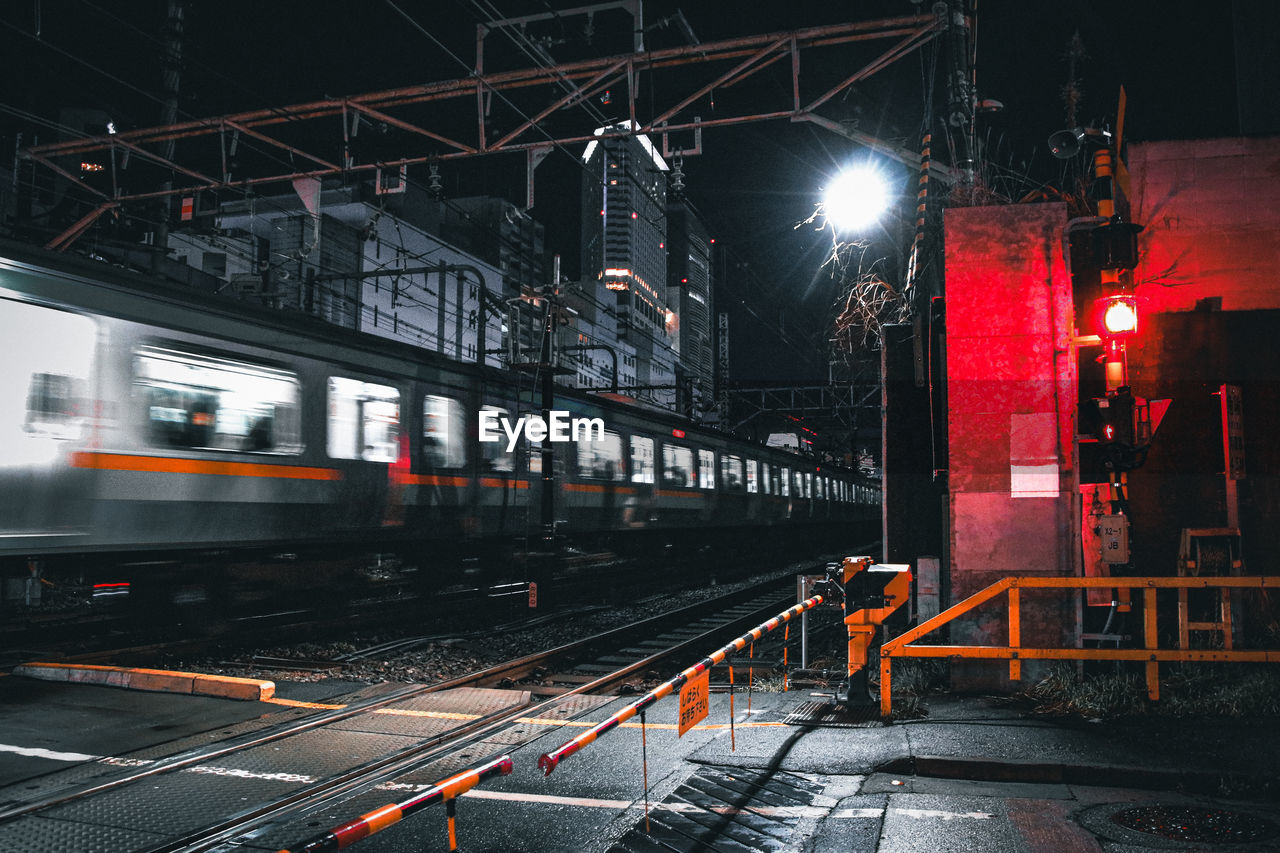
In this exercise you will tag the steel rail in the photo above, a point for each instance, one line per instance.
(205, 754)
(372, 773)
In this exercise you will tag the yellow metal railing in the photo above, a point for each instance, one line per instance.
(902, 646)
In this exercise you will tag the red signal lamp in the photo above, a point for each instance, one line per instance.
(678, 433)
(1116, 316)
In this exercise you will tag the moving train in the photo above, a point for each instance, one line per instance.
(140, 422)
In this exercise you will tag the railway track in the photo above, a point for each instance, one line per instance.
(407, 735)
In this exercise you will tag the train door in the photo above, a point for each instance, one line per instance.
(508, 496)
(598, 498)
(754, 482)
(642, 480)
(439, 490)
(46, 391)
(363, 428)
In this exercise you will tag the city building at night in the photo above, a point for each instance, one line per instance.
(624, 255)
(690, 280)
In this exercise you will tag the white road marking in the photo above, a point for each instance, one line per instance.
(919, 813)
(213, 770)
(819, 810)
(36, 752)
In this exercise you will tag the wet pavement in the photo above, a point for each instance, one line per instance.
(973, 775)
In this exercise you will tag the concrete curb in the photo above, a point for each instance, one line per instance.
(1110, 776)
(157, 680)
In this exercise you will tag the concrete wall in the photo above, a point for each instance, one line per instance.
(1011, 414)
(1212, 213)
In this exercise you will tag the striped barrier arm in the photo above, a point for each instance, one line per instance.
(379, 819)
(549, 760)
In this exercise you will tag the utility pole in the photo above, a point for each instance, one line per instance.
(547, 367)
(169, 114)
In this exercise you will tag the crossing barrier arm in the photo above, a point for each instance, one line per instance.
(379, 819)
(550, 760)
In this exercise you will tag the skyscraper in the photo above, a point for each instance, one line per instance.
(624, 253)
(689, 277)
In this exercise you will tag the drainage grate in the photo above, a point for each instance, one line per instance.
(832, 715)
(1196, 823)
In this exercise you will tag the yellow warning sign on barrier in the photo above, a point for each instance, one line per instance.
(694, 702)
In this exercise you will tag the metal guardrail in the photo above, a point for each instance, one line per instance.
(901, 646)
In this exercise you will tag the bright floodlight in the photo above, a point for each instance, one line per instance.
(855, 199)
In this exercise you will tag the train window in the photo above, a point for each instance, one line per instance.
(677, 466)
(55, 405)
(444, 432)
(48, 359)
(785, 482)
(808, 484)
(731, 472)
(364, 420)
(767, 479)
(753, 481)
(493, 454)
(641, 459)
(797, 484)
(208, 403)
(707, 469)
(602, 460)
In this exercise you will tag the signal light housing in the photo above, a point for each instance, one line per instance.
(1116, 316)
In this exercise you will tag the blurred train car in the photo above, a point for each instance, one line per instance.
(143, 424)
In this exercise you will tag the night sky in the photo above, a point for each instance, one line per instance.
(753, 184)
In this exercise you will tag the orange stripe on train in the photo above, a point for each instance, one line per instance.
(173, 465)
(434, 480)
(596, 488)
(677, 493)
(499, 483)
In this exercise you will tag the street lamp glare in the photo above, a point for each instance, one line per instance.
(855, 199)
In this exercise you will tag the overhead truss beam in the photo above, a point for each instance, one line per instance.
(280, 144)
(837, 401)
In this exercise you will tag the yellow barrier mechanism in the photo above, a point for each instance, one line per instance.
(903, 645)
(871, 593)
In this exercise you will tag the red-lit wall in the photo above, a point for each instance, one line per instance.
(1212, 214)
(1011, 416)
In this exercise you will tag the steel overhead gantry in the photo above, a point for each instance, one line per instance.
(838, 403)
(428, 123)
